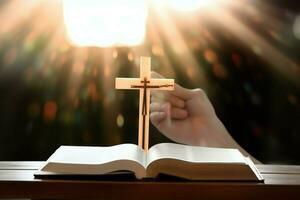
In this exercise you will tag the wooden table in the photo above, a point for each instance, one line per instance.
(17, 181)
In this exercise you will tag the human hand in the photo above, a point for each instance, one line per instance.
(187, 116)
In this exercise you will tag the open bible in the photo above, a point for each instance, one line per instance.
(188, 162)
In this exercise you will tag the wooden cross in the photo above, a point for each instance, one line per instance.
(145, 84)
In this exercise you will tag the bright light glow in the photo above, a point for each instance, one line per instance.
(105, 23)
(189, 5)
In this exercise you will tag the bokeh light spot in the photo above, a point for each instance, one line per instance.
(92, 92)
(120, 120)
(130, 56)
(210, 56)
(236, 59)
(257, 50)
(50, 110)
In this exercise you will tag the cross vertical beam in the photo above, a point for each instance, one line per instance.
(144, 84)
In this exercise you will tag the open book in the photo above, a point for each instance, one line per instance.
(189, 162)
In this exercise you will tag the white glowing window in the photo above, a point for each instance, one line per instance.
(105, 23)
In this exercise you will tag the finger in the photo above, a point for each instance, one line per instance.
(175, 101)
(178, 91)
(157, 117)
(162, 120)
(158, 95)
(156, 107)
(178, 113)
(181, 92)
(157, 100)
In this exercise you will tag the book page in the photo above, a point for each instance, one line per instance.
(194, 154)
(199, 163)
(97, 155)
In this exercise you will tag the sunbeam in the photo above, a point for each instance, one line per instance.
(59, 60)
(258, 44)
